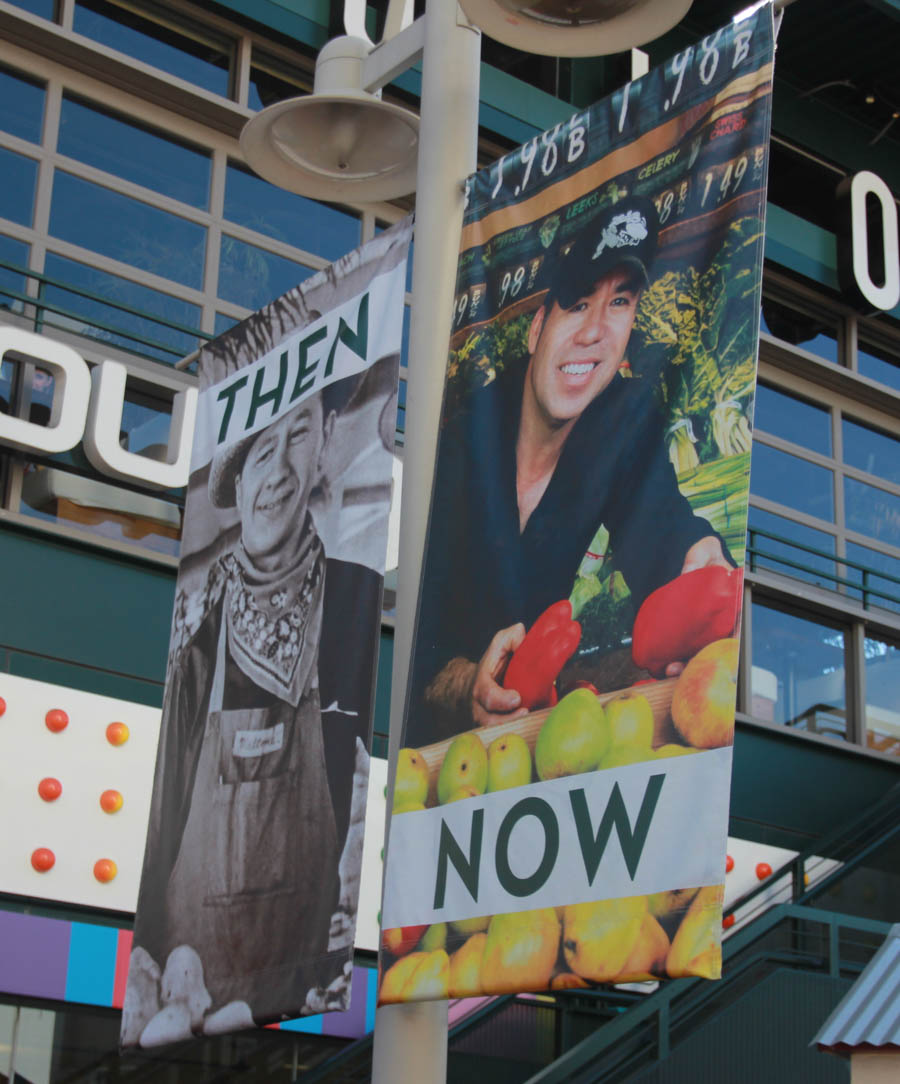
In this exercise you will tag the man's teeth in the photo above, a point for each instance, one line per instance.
(574, 369)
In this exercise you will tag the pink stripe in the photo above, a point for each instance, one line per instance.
(123, 954)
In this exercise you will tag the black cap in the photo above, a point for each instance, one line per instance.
(621, 235)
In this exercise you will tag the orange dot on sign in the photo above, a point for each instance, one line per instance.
(43, 859)
(49, 789)
(117, 733)
(727, 922)
(763, 870)
(2, 706)
(111, 801)
(105, 870)
(729, 863)
(56, 720)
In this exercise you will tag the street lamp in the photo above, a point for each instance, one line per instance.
(299, 145)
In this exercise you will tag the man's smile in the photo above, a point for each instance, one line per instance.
(578, 368)
(274, 505)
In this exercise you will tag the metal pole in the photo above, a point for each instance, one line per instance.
(411, 1040)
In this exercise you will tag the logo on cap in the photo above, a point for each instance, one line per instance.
(624, 230)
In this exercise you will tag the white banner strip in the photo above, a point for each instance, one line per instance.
(627, 831)
(345, 341)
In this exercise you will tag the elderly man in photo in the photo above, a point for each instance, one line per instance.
(266, 704)
(532, 466)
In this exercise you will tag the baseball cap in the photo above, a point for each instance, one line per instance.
(624, 234)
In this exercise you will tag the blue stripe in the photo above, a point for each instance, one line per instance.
(310, 1024)
(92, 964)
(371, 997)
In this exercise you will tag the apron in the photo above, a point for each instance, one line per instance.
(255, 882)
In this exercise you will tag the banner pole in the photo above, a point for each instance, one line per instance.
(410, 1042)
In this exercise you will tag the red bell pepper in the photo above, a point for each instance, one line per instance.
(548, 645)
(685, 615)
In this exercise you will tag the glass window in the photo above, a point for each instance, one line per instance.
(878, 363)
(126, 229)
(134, 153)
(881, 591)
(90, 316)
(794, 419)
(798, 666)
(202, 60)
(12, 254)
(882, 661)
(271, 82)
(814, 332)
(791, 481)
(45, 8)
(224, 323)
(315, 227)
(759, 520)
(21, 106)
(869, 450)
(17, 190)
(872, 511)
(252, 277)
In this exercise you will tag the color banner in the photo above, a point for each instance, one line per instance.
(561, 804)
(250, 884)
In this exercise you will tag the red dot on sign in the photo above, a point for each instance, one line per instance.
(49, 789)
(111, 801)
(117, 733)
(763, 870)
(2, 706)
(729, 863)
(105, 870)
(727, 922)
(56, 720)
(43, 859)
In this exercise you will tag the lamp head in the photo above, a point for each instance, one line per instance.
(575, 27)
(339, 142)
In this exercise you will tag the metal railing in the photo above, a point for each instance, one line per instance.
(42, 306)
(863, 586)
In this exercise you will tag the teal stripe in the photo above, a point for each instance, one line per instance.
(92, 964)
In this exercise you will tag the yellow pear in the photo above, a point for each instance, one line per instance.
(648, 957)
(465, 967)
(435, 937)
(672, 903)
(520, 952)
(509, 762)
(630, 719)
(411, 781)
(394, 979)
(696, 946)
(620, 755)
(431, 979)
(466, 926)
(465, 764)
(599, 937)
(673, 750)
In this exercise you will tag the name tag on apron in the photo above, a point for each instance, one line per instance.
(257, 743)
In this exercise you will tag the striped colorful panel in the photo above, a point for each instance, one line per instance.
(87, 963)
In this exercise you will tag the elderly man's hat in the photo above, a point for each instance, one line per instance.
(621, 235)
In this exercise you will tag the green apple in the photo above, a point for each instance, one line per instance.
(630, 721)
(411, 782)
(509, 763)
(574, 737)
(465, 766)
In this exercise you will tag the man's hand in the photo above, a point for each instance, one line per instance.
(491, 703)
(708, 551)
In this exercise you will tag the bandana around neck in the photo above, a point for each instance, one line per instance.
(274, 618)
